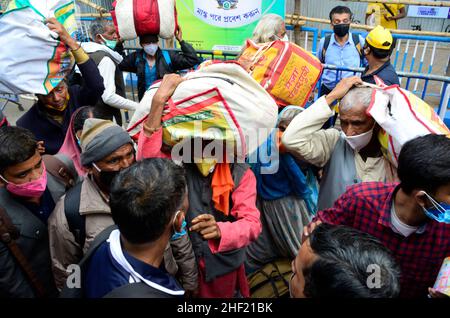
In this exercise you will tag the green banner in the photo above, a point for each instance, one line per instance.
(223, 24)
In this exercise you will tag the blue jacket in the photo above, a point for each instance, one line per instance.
(52, 132)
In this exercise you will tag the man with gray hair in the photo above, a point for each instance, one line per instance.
(101, 50)
(271, 27)
(349, 156)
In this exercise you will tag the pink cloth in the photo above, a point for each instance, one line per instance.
(236, 234)
(70, 147)
(150, 147)
(247, 226)
(224, 286)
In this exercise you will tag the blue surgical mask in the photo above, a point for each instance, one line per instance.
(176, 235)
(109, 43)
(78, 141)
(440, 212)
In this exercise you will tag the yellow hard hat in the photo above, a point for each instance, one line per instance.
(380, 38)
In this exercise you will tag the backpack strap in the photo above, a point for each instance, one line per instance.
(59, 170)
(78, 292)
(77, 222)
(8, 235)
(357, 43)
(167, 58)
(326, 44)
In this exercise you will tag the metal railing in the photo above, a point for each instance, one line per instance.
(9, 98)
(405, 57)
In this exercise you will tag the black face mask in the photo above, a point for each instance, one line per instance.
(106, 177)
(341, 30)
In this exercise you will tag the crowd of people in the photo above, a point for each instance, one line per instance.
(76, 191)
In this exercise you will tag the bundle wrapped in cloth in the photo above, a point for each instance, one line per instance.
(133, 18)
(33, 59)
(403, 117)
(288, 72)
(220, 101)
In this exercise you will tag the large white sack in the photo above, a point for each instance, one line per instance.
(33, 60)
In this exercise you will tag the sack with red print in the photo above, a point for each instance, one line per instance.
(133, 18)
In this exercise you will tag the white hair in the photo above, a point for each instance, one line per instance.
(98, 26)
(267, 28)
(356, 96)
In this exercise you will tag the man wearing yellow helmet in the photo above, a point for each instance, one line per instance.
(377, 50)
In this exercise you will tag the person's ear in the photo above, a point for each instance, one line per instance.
(41, 98)
(98, 38)
(421, 198)
(178, 221)
(90, 169)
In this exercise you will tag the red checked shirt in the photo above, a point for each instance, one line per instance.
(367, 207)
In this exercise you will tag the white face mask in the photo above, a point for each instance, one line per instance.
(358, 142)
(284, 39)
(151, 49)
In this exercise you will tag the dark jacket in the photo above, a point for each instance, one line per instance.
(386, 72)
(33, 243)
(52, 132)
(200, 201)
(136, 290)
(135, 63)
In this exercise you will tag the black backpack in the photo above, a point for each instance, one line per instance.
(76, 222)
(355, 38)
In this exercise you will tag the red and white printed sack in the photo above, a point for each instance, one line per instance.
(133, 18)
